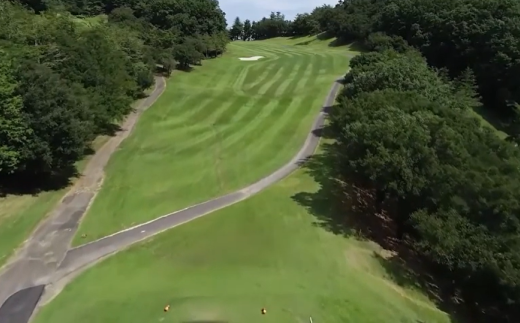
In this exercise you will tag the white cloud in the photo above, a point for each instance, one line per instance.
(256, 9)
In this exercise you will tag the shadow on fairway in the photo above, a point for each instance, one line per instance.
(350, 210)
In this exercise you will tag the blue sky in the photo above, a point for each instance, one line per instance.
(256, 9)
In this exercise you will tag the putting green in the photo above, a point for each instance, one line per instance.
(264, 252)
(214, 130)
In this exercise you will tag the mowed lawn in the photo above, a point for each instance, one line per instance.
(264, 252)
(216, 129)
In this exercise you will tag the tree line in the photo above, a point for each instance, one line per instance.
(276, 25)
(405, 133)
(64, 82)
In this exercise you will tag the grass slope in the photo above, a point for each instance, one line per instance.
(264, 252)
(214, 130)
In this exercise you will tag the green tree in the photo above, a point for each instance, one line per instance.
(59, 120)
(237, 30)
(14, 131)
(248, 32)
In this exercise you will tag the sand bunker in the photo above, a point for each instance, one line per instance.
(252, 58)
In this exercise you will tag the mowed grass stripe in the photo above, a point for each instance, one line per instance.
(274, 82)
(175, 159)
(294, 125)
(243, 108)
(290, 52)
(254, 80)
(255, 126)
(223, 80)
(234, 137)
(182, 109)
(191, 107)
(195, 142)
(238, 131)
(235, 108)
(261, 128)
(197, 110)
(309, 77)
(274, 73)
(202, 128)
(238, 85)
(285, 118)
(296, 75)
(262, 142)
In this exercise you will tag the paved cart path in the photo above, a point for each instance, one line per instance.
(46, 258)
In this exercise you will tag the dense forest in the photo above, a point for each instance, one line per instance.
(64, 82)
(407, 137)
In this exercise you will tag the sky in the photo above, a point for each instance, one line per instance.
(256, 9)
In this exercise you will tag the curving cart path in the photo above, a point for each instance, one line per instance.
(46, 259)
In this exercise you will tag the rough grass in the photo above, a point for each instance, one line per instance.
(267, 251)
(214, 130)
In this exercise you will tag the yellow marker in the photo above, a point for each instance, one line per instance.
(264, 311)
(167, 308)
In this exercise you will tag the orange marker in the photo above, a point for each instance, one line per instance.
(167, 308)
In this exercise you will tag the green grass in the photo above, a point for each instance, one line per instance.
(214, 130)
(264, 252)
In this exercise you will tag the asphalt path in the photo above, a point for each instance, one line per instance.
(23, 283)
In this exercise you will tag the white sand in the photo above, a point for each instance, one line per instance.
(252, 58)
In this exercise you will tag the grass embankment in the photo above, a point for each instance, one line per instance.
(267, 251)
(214, 130)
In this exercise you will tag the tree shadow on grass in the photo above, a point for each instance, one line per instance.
(325, 35)
(297, 36)
(307, 42)
(349, 210)
(109, 129)
(321, 36)
(184, 68)
(32, 184)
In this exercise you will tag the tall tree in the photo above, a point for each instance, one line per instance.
(248, 31)
(237, 30)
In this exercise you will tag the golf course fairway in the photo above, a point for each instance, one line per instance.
(267, 251)
(216, 129)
